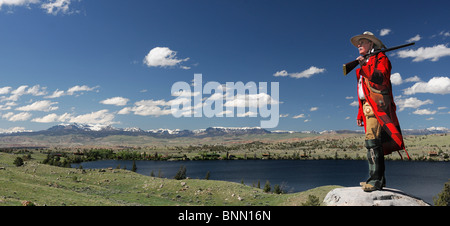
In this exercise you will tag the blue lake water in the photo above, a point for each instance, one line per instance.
(421, 179)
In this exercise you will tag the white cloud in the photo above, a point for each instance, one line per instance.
(23, 116)
(53, 118)
(56, 6)
(17, 2)
(299, 116)
(71, 91)
(385, 31)
(7, 106)
(22, 90)
(163, 57)
(5, 90)
(445, 33)
(56, 94)
(124, 111)
(77, 88)
(250, 100)
(14, 130)
(436, 85)
(437, 128)
(411, 102)
(354, 103)
(414, 39)
(118, 101)
(99, 117)
(37, 90)
(148, 108)
(424, 112)
(282, 73)
(43, 105)
(413, 79)
(314, 109)
(53, 7)
(427, 53)
(396, 79)
(304, 74)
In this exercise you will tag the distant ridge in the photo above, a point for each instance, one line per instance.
(95, 130)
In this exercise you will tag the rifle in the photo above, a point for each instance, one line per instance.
(351, 65)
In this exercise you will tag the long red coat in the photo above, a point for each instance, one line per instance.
(377, 74)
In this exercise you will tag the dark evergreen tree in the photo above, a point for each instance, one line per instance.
(181, 174)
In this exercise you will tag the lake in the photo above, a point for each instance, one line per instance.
(421, 179)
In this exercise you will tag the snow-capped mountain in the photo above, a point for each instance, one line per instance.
(97, 130)
(102, 130)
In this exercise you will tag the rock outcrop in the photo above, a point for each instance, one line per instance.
(355, 196)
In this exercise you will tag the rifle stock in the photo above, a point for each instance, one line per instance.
(351, 65)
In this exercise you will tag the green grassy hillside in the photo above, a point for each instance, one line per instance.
(56, 186)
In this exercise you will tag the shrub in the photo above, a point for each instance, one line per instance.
(443, 198)
(312, 201)
(267, 187)
(18, 161)
(134, 168)
(181, 174)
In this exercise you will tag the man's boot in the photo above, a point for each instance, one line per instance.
(375, 157)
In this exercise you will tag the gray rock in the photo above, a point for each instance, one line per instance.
(355, 196)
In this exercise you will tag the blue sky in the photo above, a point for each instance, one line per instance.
(113, 62)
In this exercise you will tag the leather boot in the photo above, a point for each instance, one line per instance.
(375, 157)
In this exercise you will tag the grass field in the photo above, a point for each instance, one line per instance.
(45, 185)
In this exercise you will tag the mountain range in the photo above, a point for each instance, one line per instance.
(103, 131)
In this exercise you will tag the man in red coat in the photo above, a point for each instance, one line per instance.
(376, 108)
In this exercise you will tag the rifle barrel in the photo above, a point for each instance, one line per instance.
(351, 65)
(389, 49)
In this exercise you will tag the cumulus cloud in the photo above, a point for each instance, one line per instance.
(43, 105)
(118, 101)
(299, 116)
(414, 39)
(163, 57)
(385, 31)
(53, 118)
(354, 103)
(53, 7)
(304, 74)
(56, 6)
(57, 93)
(5, 90)
(77, 88)
(36, 90)
(103, 117)
(436, 85)
(23, 116)
(14, 130)
(250, 100)
(314, 109)
(148, 108)
(71, 91)
(17, 2)
(413, 79)
(411, 102)
(396, 79)
(424, 112)
(427, 53)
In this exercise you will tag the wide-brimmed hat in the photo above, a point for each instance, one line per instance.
(370, 36)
